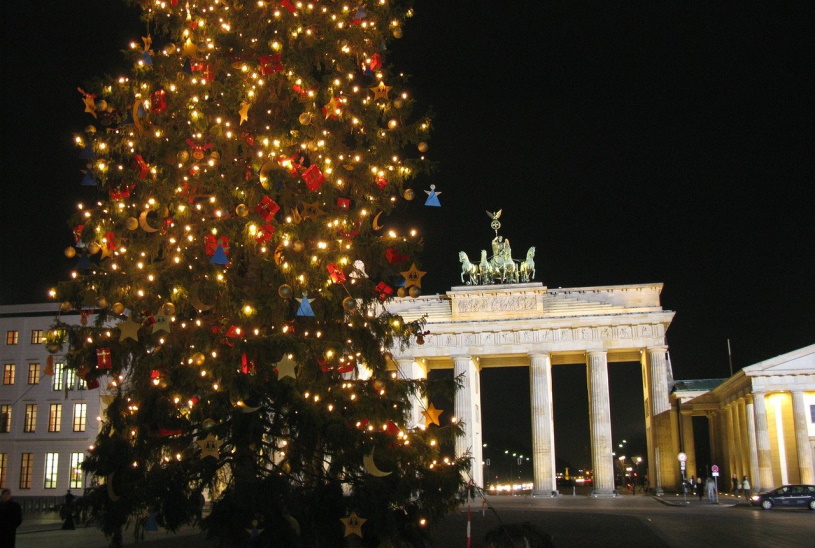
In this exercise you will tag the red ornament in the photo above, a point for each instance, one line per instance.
(103, 359)
(381, 182)
(158, 101)
(141, 166)
(313, 178)
(335, 273)
(121, 192)
(288, 5)
(78, 232)
(270, 64)
(267, 208)
(234, 332)
(198, 151)
(92, 383)
(383, 290)
(393, 256)
(148, 318)
(211, 243)
(264, 234)
(248, 366)
(344, 203)
(391, 428)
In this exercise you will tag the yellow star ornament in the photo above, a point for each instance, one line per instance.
(285, 368)
(381, 91)
(431, 415)
(129, 329)
(353, 524)
(210, 446)
(413, 276)
(244, 112)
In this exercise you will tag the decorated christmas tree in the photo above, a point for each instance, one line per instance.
(235, 273)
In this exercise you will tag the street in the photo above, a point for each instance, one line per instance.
(572, 521)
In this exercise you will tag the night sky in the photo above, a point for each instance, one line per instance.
(635, 143)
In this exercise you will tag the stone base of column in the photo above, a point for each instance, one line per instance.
(604, 494)
(659, 491)
(545, 494)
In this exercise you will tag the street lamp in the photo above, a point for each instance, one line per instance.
(637, 462)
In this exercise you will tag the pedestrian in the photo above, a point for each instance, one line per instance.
(11, 516)
(745, 486)
(700, 488)
(736, 484)
(710, 485)
(68, 510)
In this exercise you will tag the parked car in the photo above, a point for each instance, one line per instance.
(792, 496)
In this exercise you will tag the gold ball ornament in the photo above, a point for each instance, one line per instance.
(408, 194)
(401, 292)
(53, 347)
(198, 359)
(101, 302)
(242, 210)
(208, 424)
(398, 103)
(422, 147)
(169, 49)
(349, 304)
(91, 129)
(65, 306)
(182, 156)
(101, 105)
(70, 252)
(393, 123)
(93, 248)
(131, 223)
(168, 309)
(397, 32)
(305, 118)
(415, 291)
(298, 246)
(118, 308)
(285, 291)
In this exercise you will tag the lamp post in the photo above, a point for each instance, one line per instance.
(621, 458)
(637, 462)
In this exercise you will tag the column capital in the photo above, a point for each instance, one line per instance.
(602, 352)
(544, 355)
(659, 348)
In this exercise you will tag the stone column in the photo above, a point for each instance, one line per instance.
(600, 424)
(543, 431)
(468, 411)
(667, 472)
(732, 447)
(688, 444)
(800, 418)
(749, 415)
(414, 370)
(765, 462)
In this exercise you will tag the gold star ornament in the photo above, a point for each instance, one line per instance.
(431, 415)
(353, 524)
(210, 446)
(129, 329)
(285, 367)
(413, 276)
(381, 91)
(244, 112)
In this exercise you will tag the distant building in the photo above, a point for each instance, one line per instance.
(48, 417)
(761, 420)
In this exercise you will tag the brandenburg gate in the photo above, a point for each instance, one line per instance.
(478, 326)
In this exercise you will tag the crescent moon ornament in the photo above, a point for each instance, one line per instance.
(109, 483)
(196, 301)
(375, 222)
(370, 466)
(144, 224)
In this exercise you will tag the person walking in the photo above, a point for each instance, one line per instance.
(745, 486)
(736, 485)
(68, 509)
(710, 485)
(700, 488)
(11, 516)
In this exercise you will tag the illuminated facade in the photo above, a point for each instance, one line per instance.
(528, 324)
(48, 417)
(761, 420)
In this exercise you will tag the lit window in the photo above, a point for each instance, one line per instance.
(33, 373)
(37, 336)
(8, 373)
(5, 418)
(57, 382)
(51, 465)
(30, 424)
(70, 378)
(26, 469)
(80, 416)
(11, 337)
(3, 469)
(76, 470)
(54, 417)
(812, 413)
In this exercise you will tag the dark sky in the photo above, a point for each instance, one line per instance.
(644, 142)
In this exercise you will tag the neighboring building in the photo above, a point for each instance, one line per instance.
(47, 421)
(762, 420)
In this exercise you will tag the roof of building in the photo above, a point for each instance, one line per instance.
(697, 385)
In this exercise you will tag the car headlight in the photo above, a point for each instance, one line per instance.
(755, 498)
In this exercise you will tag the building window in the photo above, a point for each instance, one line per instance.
(76, 470)
(30, 424)
(54, 417)
(37, 336)
(11, 337)
(58, 381)
(26, 469)
(70, 378)
(80, 412)
(8, 373)
(33, 373)
(81, 384)
(3, 469)
(5, 418)
(51, 465)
